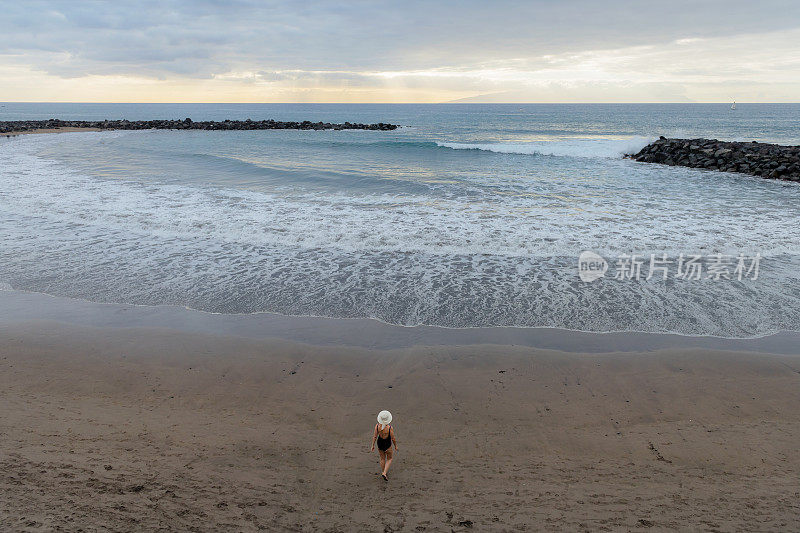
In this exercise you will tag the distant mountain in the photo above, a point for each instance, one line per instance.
(585, 93)
(488, 98)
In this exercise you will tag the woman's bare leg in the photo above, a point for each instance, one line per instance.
(388, 461)
(383, 459)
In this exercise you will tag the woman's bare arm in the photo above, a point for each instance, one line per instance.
(374, 438)
(391, 434)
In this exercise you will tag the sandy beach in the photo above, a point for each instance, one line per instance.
(49, 130)
(554, 244)
(144, 429)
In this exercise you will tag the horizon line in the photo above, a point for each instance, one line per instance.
(392, 103)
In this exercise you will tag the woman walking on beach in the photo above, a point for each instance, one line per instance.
(384, 436)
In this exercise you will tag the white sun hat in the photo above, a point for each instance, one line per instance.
(384, 418)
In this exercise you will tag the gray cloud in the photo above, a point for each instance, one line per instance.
(201, 39)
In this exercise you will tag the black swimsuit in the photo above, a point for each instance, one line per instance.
(385, 444)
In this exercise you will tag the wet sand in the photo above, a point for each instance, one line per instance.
(144, 428)
(50, 130)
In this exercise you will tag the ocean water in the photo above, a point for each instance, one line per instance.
(467, 216)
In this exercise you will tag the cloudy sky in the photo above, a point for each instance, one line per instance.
(373, 51)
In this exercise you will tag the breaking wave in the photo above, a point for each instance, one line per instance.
(606, 148)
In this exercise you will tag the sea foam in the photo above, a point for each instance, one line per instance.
(478, 246)
(596, 147)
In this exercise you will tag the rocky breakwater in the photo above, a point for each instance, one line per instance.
(14, 126)
(758, 159)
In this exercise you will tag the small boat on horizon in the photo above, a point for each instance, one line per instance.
(733, 105)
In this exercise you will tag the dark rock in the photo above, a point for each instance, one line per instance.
(759, 159)
(10, 126)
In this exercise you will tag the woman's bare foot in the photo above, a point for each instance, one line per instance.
(384, 477)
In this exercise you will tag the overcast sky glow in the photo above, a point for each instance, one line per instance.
(371, 51)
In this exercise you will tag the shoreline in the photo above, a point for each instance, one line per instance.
(49, 130)
(151, 428)
(130, 417)
(17, 307)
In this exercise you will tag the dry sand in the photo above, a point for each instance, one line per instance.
(145, 429)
